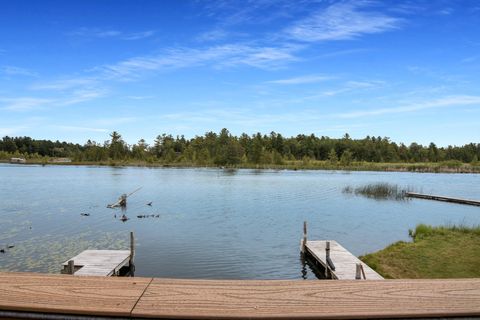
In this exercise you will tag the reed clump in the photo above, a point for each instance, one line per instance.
(379, 191)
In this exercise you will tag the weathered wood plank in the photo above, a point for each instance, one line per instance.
(204, 299)
(30, 292)
(344, 261)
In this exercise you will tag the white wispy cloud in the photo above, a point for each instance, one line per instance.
(113, 121)
(81, 95)
(302, 79)
(445, 11)
(110, 33)
(17, 71)
(243, 116)
(342, 21)
(338, 53)
(470, 59)
(23, 103)
(11, 130)
(233, 13)
(81, 129)
(444, 102)
(63, 84)
(216, 56)
(138, 35)
(232, 117)
(36, 103)
(213, 35)
(139, 97)
(437, 74)
(353, 85)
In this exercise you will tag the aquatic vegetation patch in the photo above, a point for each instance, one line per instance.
(379, 191)
(47, 253)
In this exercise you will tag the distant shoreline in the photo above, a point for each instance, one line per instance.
(420, 167)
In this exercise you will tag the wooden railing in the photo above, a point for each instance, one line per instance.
(55, 296)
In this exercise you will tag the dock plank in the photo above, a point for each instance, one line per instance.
(236, 299)
(65, 294)
(344, 261)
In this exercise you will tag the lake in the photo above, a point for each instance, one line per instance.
(212, 223)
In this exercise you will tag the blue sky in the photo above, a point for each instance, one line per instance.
(77, 70)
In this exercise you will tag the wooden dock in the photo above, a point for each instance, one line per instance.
(336, 261)
(345, 263)
(102, 263)
(442, 198)
(43, 296)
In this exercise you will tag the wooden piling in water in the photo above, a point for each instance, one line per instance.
(132, 250)
(304, 240)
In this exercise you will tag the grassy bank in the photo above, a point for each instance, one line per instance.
(435, 252)
(433, 167)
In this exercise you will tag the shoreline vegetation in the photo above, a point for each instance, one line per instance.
(273, 151)
(288, 165)
(435, 252)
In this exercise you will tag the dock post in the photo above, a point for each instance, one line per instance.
(358, 267)
(304, 240)
(327, 257)
(71, 267)
(132, 247)
(131, 264)
(363, 272)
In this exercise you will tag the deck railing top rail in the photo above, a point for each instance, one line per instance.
(138, 297)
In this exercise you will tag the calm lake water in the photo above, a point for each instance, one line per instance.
(213, 223)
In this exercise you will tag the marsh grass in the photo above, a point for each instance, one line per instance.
(379, 191)
(435, 252)
(46, 253)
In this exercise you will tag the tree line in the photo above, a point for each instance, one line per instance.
(225, 149)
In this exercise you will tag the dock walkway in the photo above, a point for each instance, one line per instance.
(99, 262)
(443, 198)
(46, 296)
(344, 261)
(103, 263)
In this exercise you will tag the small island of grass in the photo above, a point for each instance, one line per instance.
(435, 252)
